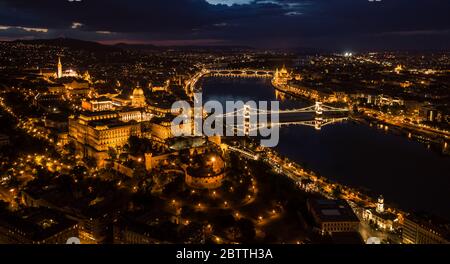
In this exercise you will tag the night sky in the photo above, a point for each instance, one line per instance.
(328, 24)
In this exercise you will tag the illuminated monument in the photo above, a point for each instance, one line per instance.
(282, 76)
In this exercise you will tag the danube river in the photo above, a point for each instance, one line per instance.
(405, 172)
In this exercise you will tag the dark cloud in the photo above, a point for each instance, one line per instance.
(272, 23)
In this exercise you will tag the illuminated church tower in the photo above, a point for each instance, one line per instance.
(87, 76)
(59, 74)
(380, 204)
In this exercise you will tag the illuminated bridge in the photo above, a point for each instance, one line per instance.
(250, 73)
(246, 73)
(318, 109)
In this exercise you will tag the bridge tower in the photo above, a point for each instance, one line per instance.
(318, 122)
(246, 119)
(318, 108)
(318, 119)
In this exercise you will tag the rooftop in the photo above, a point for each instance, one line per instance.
(36, 224)
(332, 210)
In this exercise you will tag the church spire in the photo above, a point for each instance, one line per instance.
(59, 72)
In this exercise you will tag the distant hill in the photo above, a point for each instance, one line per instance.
(311, 51)
(127, 46)
(97, 47)
(149, 47)
(213, 48)
(72, 43)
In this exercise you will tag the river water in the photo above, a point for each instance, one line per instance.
(405, 172)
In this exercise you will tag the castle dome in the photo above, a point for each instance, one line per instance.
(138, 92)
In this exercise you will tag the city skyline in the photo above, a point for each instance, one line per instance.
(240, 122)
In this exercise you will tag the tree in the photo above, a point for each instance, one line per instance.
(247, 230)
(112, 153)
(126, 148)
(90, 162)
(70, 148)
(139, 173)
(337, 191)
(134, 144)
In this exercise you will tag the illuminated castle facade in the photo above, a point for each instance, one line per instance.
(94, 133)
(108, 123)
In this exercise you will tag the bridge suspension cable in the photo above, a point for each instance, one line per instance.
(317, 108)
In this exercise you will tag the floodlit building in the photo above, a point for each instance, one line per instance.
(93, 138)
(98, 104)
(381, 218)
(332, 216)
(417, 231)
(282, 76)
(388, 100)
(36, 226)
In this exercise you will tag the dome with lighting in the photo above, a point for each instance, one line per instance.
(138, 91)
